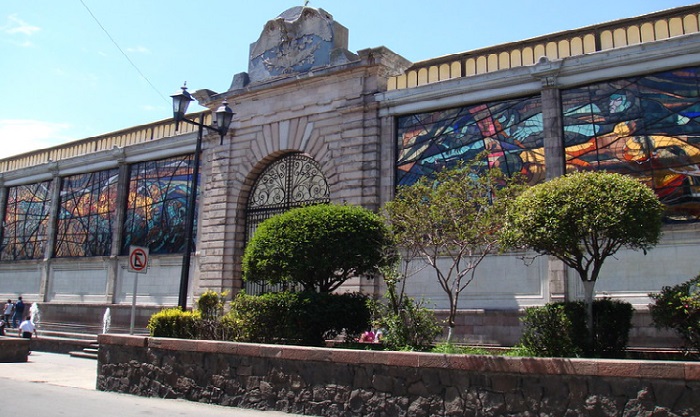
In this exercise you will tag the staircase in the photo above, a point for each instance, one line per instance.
(73, 339)
(88, 352)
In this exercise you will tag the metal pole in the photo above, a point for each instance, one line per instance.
(133, 303)
(189, 222)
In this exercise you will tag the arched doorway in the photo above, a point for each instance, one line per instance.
(295, 180)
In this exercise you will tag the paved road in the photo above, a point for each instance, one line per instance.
(52, 384)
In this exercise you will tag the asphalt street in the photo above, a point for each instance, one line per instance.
(51, 384)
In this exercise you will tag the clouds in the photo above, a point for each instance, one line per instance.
(18, 30)
(24, 135)
(138, 50)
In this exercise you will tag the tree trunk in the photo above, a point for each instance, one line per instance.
(451, 319)
(588, 287)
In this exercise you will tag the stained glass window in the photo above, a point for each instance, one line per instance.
(156, 210)
(26, 221)
(510, 130)
(86, 214)
(644, 126)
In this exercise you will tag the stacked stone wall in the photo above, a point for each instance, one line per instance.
(337, 382)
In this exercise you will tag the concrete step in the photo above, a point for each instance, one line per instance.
(66, 335)
(83, 354)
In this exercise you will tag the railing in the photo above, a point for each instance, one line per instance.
(121, 138)
(620, 33)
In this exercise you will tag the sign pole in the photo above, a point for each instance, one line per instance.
(133, 304)
(138, 264)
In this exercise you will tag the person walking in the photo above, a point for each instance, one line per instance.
(27, 328)
(8, 311)
(19, 312)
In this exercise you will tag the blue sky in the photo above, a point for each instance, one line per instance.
(63, 78)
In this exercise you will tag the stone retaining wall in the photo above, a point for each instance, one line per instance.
(337, 382)
(13, 349)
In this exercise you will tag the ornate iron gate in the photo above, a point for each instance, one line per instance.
(295, 180)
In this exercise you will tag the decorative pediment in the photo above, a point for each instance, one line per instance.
(298, 41)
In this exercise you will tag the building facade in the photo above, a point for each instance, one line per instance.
(316, 122)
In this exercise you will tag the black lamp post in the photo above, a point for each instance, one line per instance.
(224, 116)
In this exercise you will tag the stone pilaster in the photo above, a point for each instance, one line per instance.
(117, 230)
(3, 201)
(547, 71)
(50, 234)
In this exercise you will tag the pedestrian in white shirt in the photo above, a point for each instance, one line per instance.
(27, 328)
(9, 310)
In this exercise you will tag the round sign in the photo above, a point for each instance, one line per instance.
(138, 259)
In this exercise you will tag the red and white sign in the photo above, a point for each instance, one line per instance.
(138, 259)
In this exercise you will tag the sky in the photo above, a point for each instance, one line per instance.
(73, 69)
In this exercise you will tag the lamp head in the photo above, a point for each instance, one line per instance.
(224, 116)
(181, 100)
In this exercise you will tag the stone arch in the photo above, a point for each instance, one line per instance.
(288, 136)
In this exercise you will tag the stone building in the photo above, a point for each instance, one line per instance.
(316, 122)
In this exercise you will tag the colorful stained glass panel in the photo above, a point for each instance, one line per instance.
(86, 214)
(26, 221)
(647, 127)
(511, 131)
(157, 205)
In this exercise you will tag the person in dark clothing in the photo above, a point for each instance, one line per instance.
(19, 312)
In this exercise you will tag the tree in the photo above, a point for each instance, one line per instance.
(319, 247)
(455, 217)
(582, 219)
(408, 323)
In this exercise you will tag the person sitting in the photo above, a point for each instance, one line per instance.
(367, 337)
(379, 335)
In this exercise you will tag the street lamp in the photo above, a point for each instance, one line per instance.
(223, 117)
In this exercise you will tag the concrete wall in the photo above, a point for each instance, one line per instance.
(337, 382)
(503, 328)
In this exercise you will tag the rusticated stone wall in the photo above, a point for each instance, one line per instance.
(337, 382)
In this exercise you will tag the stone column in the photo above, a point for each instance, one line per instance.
(553, 131)
(387, 169)
(50, 234)
(112, 264)
(3, 203)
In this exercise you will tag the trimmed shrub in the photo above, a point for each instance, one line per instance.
(317, 247)
(559, 329)
(305, 318)
(548, 331)
(211, 304)
(678, 308)
(173, 322)
(612, 321)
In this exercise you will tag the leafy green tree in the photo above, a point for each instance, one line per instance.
(319, 247)
(582, 219)
(452, 222)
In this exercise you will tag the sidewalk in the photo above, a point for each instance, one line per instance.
(54, 384)
(54, 369)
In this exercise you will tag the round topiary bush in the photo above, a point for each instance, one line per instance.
(318, 247)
